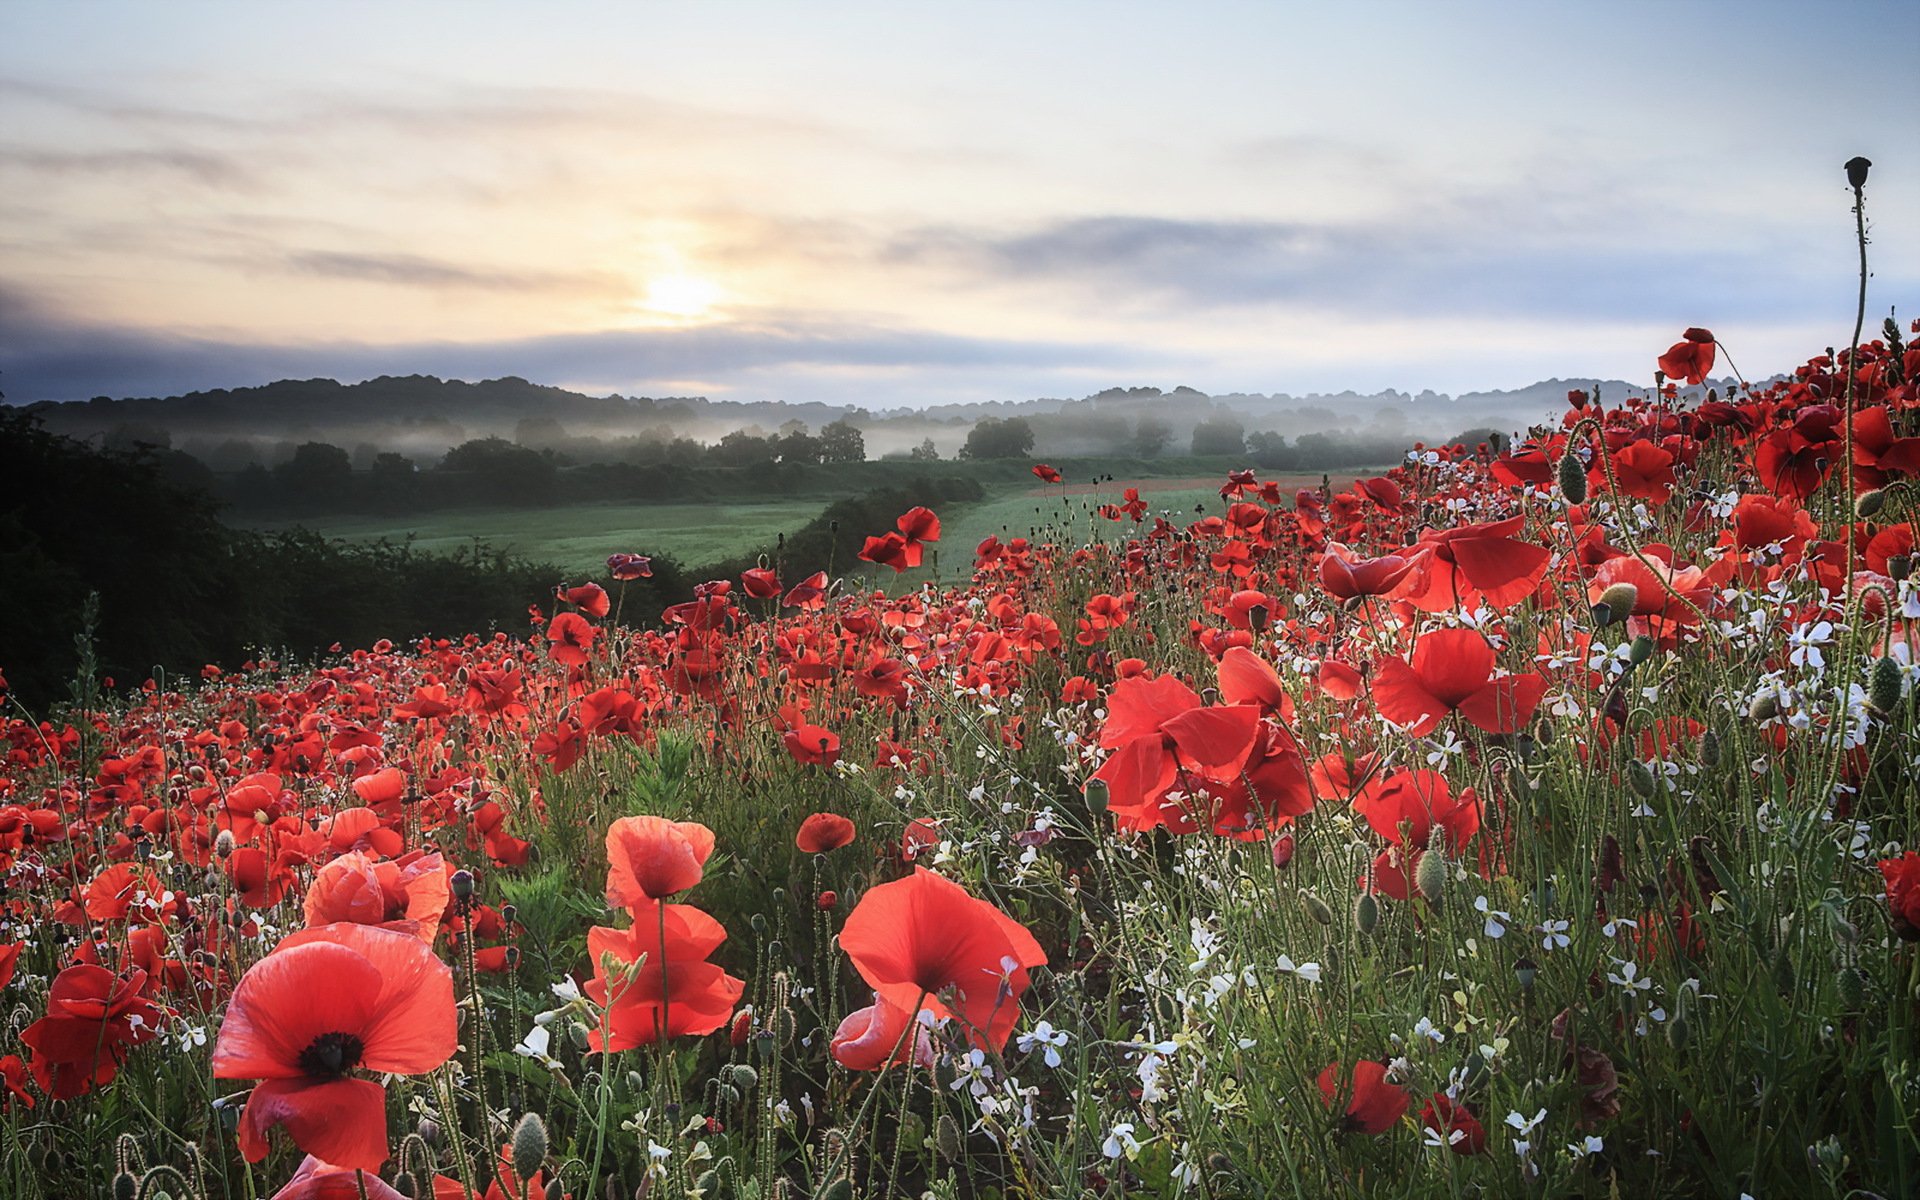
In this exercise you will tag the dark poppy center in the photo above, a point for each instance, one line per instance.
(331, 1055)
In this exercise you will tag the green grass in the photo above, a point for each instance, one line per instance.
(579, 537)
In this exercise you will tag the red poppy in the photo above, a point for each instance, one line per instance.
(1346, 575)
(812, 745)
(651, 858)
(1471, 564)
(1452, 671)
(809, 594)
(822, 832)
(1404, 807)
(923, 943)
(673, 992)
(384, 786)
(1047, 473)
(760, 582)
(316, 1180)
(1902, 876)
(93, 1018)
(1374, 1105)
(1690, 358)
(408, 895)
(1455, 1124)
(1644, 471)
(589, 598)
(572, 638)
(627, 567)
(1159, 729)
(875, 1036)
(329, 1000)
(9, 960)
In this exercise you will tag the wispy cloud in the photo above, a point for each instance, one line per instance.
(413, 270)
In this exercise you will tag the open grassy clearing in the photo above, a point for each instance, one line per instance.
(579, 537)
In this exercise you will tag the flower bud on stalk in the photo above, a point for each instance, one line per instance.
(1573, 478)
(529, 1146)
(1884, 690)
(1366, 913)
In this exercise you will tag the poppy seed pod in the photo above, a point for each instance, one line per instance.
(1857, 168)
(462, 884)
(1640, 650)
(1096, 793)
(1573, 478)
(1899, 566)
(1524, 972)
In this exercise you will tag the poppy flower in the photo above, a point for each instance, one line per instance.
(822, 832)
(1159, 727)
(1454, 1123)
(923, 944)
(572, 638)
(407, 895)
(875, 1036)
(628, 567)
(589, 598)
(93, 1018)
(809, 594)
(812, 746)
(1345, 575)
(673, 991)
(651, 858)
(890, 549)
(1046, 473)
(384, 786)
(1690, 358)
(327, 1001)
(1471, 564)
(760, 582)
(1643, 470)
(1374, 1105)
(1902, 876)
(316, 1180)
(1453, 671)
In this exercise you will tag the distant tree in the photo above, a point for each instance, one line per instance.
(492, 469)
(992, 437)
(319, 473)
(842, 442)
(1151, 435)
(798, 446)
(742, 449)
(1220, 435)
(1494, 438)
(539, 433)
(1270, 450)
(925, 452)
(393, 482)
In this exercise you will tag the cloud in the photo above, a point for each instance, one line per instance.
(203, 167)
(775, 356)
(412, 270)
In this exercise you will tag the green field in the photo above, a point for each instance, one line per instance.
(579, 537)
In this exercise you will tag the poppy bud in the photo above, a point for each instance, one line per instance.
(1710, 749)
(1366, 913)
(1857, 168)
(946, 1138)
(1868, 504)
(1641, 650)
(428, 1131)
(1679, 1031)
(1573, 478)
(745, 1077)
(1783, 973)
(1524, 971)
(1615, 604)
(826, 900)
(839, 1189)
(1317, 908)
(529, 1146)
(709, 1186)
(1852, 985)
(1640, 778)
(742, 1026)
(1765, 707)
(1615, 707)
(223, 845)
(579, 1035)
(125, 1186)
(1282, 851)
(1884, 689)
(1430, 873)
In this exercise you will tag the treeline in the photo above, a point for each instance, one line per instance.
(179, 589)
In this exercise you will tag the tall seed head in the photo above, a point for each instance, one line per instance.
(1573, 478)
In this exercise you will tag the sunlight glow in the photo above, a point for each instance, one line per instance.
(681, 295)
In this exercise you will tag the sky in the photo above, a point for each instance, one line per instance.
(900, 205)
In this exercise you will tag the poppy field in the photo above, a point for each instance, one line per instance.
(1519, 824)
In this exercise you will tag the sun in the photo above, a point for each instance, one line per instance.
(680, 295)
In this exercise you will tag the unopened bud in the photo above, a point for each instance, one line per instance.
(1430, 873)
(1679, 1031)
(1317, 908)
(1366, 913)
(1640, 778)
(1765, 707)
(1852, 985)
(1573, 477)
(1710, 749)
(1869, 504)
(946, 1138)
(1885, 687)
(529, 1146)
(1615, 604)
